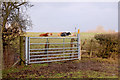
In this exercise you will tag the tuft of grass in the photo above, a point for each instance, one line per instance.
(101, 60)
(58, 75)
(10, 70)
(37, 65)
(32, 76)
(21, 68)
(95, 74)
(67, 75)
(42, 76)
(58, 62)
(75, 74)
(84, 74)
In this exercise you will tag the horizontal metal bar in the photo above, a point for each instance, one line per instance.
(52, 57)
(52, 37)
(54, 51)
(55, 48)
(52, 60)
(54, 43)
(51, 54)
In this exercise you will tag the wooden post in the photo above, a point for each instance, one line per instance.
(91, 47)
(21, 50)
(46, 48)
(71, 45)
(79, 45)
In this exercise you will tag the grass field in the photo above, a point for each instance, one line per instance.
(83, 35)
(85, 68)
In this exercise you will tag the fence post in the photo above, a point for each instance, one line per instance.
(63, 45)
(71, 42)
(21, 50)
(79, 45)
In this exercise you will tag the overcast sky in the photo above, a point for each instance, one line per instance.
(65, 16)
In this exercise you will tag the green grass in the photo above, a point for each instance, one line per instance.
(0, 74)
(82, 74)
(21, 68)
(96, 74)
(58, 62)
(13, 69)
(83, 36)
(37, 65)
(58, 75)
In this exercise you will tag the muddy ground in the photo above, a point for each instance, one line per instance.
(109, 67)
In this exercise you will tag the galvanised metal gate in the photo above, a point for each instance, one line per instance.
(49, 49)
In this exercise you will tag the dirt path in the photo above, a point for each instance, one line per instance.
(111, 68)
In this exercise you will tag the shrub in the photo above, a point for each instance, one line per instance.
(90, 46)
(108, 45)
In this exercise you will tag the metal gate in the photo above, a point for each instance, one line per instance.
(49, 49)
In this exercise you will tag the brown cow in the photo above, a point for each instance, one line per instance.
(45, 34)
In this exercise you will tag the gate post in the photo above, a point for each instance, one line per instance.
(26, 51)
(21, 50)
(79, 45)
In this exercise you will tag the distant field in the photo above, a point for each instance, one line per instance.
(83, 35)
